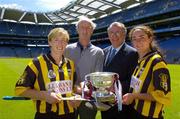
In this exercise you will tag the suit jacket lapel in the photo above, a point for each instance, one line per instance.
(121, 51)
(106, 52)
(119, 54)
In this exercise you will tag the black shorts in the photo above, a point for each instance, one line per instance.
(113, 113)
(52, 115)
(135, 115)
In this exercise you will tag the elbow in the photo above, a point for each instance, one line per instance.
(162, 98)
(20, 91)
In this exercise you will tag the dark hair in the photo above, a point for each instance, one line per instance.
(150, 33)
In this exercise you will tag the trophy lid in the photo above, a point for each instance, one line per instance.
(101, 79)
(102, 74)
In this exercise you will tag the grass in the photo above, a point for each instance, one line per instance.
(11, 68)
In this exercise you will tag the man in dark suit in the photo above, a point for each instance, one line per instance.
(122, 59)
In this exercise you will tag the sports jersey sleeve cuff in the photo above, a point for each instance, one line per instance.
(162, 98)
(20, 90)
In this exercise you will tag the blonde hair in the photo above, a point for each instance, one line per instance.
(58, 32)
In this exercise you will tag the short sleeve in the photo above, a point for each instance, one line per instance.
(27, 79)
(161, 82)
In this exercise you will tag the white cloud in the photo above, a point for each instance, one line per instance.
(12, 6)
(52, 4)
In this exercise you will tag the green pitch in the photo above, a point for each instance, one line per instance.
(11, 68)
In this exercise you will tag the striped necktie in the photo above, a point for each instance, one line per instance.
(111, 55)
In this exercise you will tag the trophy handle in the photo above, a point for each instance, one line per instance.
(87, 94)
(116, 77)
(118, 92)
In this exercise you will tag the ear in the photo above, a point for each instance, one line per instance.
(78, 30)
(92, 30)
(151, 38)
(49, 42)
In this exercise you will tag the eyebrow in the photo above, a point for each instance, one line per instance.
(138, 36)
(114, 31)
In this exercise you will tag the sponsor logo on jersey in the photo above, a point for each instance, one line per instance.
(61, 87)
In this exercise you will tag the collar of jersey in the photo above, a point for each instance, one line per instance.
(149, 54)
(51, 59)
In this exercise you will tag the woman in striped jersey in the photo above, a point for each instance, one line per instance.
(49, 78)
(150, 87)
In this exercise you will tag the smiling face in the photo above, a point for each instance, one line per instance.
(58, 45)
(85, 31)
(116, 35)
(141, 41)
(58, 39)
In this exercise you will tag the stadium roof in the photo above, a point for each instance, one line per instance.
(92, 8)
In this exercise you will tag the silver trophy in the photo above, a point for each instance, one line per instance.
(104, 87)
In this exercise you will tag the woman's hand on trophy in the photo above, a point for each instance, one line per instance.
(111, 89)
(78, 89)
(128, 98)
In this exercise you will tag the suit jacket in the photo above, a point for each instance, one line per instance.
(123, 63)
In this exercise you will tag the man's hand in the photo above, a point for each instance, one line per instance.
(75, 103)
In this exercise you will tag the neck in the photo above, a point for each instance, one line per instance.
(56, 57)
(142, 54)
(84, 44)
(117, 45)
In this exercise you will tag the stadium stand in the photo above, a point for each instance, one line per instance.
(29, 40)
(171, 47)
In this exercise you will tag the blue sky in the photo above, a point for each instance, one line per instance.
(35, 5)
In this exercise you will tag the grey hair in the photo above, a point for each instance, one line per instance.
(85, 18)
(119, 24)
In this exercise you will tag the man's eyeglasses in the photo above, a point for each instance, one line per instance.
(114, 33)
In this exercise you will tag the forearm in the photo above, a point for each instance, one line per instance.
(128, 98)
(34, 94)
(143, 96)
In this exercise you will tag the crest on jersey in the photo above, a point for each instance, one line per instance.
(163, 81)
(51, 74)
(22, 78)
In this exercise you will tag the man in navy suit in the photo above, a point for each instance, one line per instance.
(122, 59)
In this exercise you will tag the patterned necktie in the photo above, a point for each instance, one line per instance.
(111, 55)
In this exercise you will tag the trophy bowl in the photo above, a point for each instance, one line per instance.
(102, 81)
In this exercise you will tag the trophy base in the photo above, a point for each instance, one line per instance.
(101, 106)
(105, 98)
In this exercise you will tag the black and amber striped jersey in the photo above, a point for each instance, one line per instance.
(43, 74)
(151, 76)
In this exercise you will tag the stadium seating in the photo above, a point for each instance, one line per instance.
(171, 48)
(162, 15)
(7, 52)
